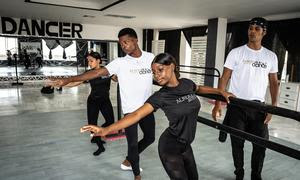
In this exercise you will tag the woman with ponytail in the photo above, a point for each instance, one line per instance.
(177, 98)
(98, 100)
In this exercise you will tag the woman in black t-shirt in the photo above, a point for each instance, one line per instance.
(178, 100)
(98, 99)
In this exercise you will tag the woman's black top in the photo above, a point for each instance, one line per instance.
(100, 86)
(181, 106)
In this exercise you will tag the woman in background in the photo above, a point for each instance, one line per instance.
(9, 59)
(38, 58)
(98, 99)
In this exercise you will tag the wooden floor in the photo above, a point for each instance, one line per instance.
(38, 142)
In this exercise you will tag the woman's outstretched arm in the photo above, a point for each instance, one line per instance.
(126, 121)
(73, 84)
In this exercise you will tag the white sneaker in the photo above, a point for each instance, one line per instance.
(128, 168)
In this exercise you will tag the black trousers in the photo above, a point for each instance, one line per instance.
(147, 125)
(27, 63)
(39, 61)
(251, 121)
(9, 61)
(177, 158)
(96, 104)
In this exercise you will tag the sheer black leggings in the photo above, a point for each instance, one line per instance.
(177, 158)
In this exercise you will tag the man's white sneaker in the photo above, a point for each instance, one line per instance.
(128, 168)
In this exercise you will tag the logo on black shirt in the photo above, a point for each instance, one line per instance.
(259, 64)
(189, 98)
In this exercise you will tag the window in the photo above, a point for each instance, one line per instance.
(8, 43)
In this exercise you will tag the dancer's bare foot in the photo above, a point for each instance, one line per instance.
(126, 163)
(137, 177)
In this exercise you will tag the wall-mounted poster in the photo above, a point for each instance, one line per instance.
(31, 47)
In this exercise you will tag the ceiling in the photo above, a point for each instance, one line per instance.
(154, 14)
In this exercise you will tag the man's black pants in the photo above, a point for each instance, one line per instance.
(251, 121)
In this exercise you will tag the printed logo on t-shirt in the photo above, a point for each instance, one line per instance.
(259, 64)
(247, 61)
(141, 71)
(256, 63)
(188, 98)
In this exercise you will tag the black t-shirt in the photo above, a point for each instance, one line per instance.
(181, 106)
(100, 86)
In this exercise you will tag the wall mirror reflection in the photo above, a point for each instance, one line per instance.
(34, 58)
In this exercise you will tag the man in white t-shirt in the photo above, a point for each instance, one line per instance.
(250, 68)
(135, 80)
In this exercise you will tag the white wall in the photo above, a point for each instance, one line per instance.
(220, 44)
(185, 51)
(103, 32)
(182, 49)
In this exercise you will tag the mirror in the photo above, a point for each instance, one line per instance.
(33, 58)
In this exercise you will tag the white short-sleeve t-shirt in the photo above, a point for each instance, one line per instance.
(250, 70)
(135, 79)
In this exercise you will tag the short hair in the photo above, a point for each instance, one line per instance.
(127, 31)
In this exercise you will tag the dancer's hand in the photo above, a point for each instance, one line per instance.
(226, 95)
(114, 78)
(268, 118)
(216, 112)
(96, 130)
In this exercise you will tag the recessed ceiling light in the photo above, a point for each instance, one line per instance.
(88, 16)
(119, 16)
(95, 5)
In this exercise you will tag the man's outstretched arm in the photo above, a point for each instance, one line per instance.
(59, 82)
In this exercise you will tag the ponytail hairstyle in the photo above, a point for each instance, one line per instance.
(95, 55)
(167, 59)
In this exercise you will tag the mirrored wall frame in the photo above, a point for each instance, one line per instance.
(68, 57)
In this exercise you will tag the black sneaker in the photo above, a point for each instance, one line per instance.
(222, 136)
(99, 151)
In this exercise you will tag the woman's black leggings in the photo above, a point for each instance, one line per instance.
(177, 158)
(96, 104)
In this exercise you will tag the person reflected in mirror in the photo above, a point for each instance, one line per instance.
(39, 58)
(26, 58)
(9, 58)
